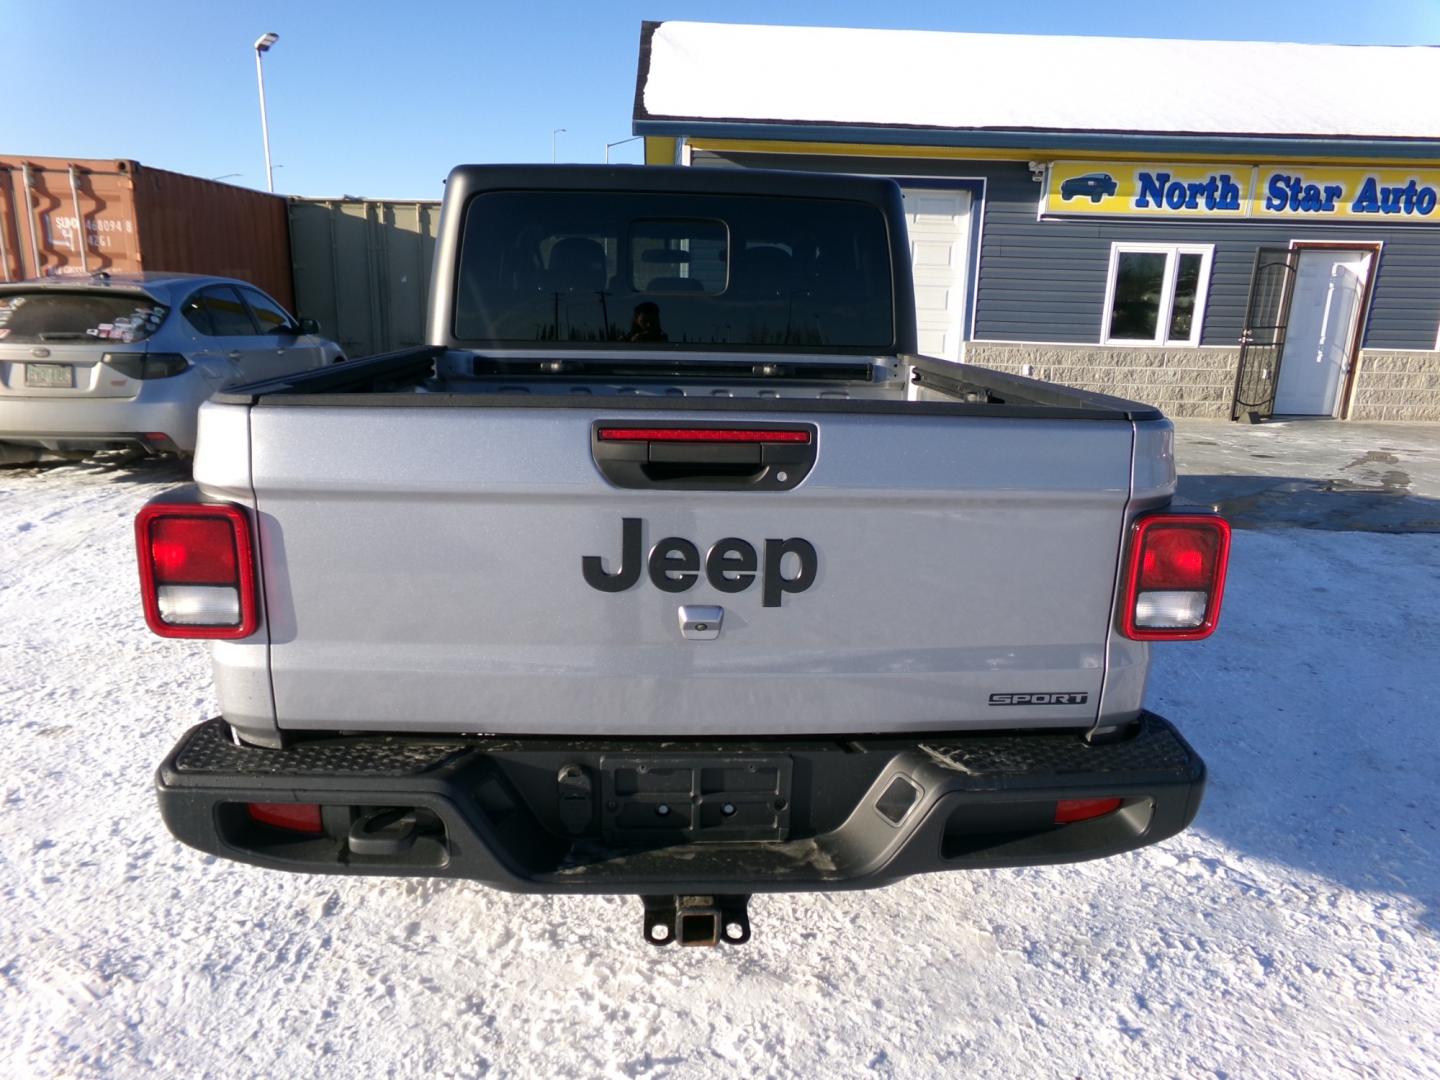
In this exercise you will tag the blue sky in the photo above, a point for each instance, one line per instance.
(381, 99)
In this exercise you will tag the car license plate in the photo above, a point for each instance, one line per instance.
(50, 375)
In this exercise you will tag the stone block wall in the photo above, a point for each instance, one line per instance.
(1397, 386)
(1179, 382)
(1200, 382)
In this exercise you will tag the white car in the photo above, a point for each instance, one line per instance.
(111, 360)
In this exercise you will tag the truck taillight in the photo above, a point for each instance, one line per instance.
(1175, 577)
(197, 570)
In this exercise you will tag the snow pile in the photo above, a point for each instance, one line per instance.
(931, 79)
(1291, 931)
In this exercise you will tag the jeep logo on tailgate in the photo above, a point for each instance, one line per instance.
(730, 565)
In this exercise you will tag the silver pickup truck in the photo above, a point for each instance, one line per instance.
(667, 568)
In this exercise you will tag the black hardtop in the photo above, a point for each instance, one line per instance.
(466, 180)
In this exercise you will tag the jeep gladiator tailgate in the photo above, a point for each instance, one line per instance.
(425, 570)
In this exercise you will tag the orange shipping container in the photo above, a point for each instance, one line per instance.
(77, 217)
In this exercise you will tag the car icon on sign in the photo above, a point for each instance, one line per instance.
(1095, 185)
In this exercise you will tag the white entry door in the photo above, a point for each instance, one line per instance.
(1324, 318)
(939, 225)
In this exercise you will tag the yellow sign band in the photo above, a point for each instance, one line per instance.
(1219, 191)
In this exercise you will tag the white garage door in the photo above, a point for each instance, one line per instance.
(939, 223)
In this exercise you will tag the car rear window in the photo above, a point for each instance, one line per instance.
(587, 269)
(54, 315)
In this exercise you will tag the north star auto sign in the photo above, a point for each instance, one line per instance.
(1251, 192)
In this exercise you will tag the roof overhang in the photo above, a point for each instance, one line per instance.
(679, 93)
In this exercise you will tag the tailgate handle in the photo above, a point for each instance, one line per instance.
(774, 457)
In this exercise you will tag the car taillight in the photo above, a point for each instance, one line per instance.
(197, 570)
(1175, 577)
(138, 365)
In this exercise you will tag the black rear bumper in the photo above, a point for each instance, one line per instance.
(675, 817)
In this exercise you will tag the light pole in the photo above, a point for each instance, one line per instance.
(622, 142)
(557, 131)
(262, 46)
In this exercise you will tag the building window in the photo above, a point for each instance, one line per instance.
(1156, 294)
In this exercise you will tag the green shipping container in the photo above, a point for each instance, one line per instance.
(362, 268)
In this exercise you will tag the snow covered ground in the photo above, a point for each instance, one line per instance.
(1293, 930)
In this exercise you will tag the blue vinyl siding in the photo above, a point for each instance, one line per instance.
(1046, 280)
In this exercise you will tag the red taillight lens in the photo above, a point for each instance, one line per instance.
(197, 572)
(1176, 557)
(1072, 810)
(193, 551)
(1175, 577)
(292, 817)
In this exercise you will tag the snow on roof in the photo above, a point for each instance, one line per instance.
(1010, 82)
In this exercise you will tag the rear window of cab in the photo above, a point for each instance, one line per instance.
(588, 269)
(50, 316)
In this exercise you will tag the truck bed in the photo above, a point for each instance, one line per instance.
(428, 376)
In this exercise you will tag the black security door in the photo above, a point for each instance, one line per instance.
(1263, 340)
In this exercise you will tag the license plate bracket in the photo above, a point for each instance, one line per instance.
(695, 798)
(50, 376)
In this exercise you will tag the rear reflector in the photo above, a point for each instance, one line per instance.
(197, 573)
(1072, 810)
(293, 817)
(1175, 577)
(723, 435)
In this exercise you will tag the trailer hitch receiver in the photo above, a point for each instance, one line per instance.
(697, 920)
